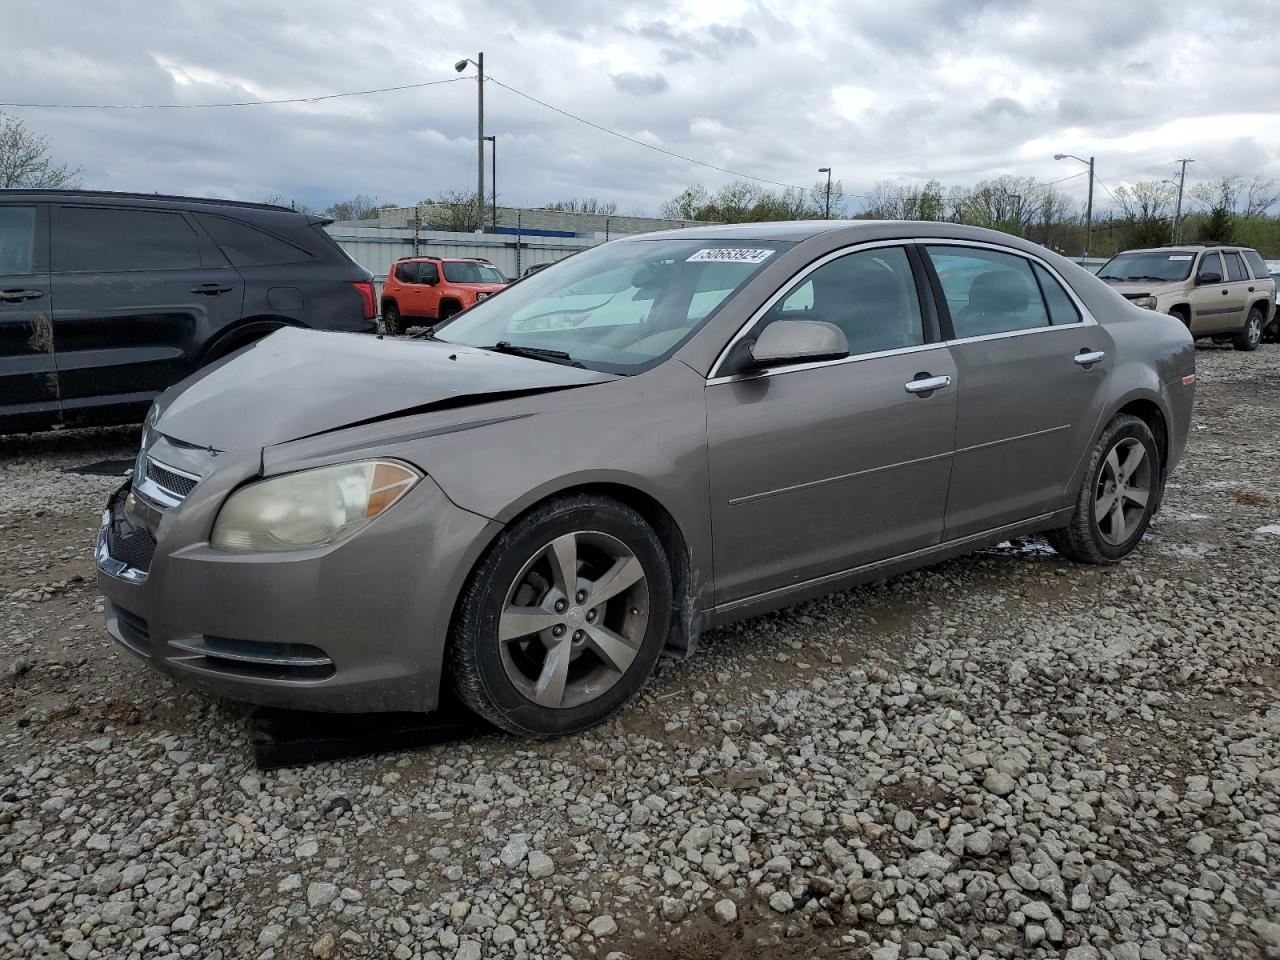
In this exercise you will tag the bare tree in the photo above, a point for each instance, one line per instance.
(358, 207)
(26, 161)
(690, 202)
(454, 210)
(585, 205)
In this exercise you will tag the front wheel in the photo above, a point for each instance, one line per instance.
(1249, 338)
(563, 619)
(1120, 492)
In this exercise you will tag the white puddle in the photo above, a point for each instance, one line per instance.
(1271, 529)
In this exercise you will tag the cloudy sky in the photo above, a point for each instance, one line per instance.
(906, 90)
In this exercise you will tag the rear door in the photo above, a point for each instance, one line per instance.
(137, 292)
(1028, 402)
(28, 378)
(1238, 284)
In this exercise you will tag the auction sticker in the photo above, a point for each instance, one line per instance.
(1180, 256)
(730, 255)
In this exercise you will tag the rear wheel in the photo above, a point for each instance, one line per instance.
(1120, 492)
(563, 619)
(391, 320)
(1249, 338)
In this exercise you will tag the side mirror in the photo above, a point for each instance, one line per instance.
(798, 341)
(1210, 277)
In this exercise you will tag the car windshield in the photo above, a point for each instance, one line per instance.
(621, 307)
(1165, 265)
(473, 273)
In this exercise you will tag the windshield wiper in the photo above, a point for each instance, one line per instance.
(536, 353)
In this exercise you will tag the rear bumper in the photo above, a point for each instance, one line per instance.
(356, 627)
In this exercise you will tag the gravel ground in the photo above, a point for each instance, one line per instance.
(1006, 755)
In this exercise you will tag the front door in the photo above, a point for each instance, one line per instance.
(1031, 374)
(28, 377)
(1212, 306)
(822, 467)
(135, 291)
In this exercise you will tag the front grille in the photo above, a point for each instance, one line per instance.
(132, 545)
(172, 482)
(134, 632)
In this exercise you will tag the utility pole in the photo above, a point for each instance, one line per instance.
(1088, 215)
(479, 65)
(826, 215)
(493, 180)
(1177, 210)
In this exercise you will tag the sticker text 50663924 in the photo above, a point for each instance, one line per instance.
(730, 255)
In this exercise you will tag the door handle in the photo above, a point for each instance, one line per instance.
(1251, 289)
(210, 289)
(17, 296)
(1087, 358)
(1224, 293)
(927, 384)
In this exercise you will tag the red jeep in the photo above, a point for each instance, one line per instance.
(426, 289)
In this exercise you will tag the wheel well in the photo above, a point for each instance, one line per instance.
(1262, 305)
(241, 334)
(390, 300)
(1182, 311)
(450, 302)
(686, 611)
(1150, 414)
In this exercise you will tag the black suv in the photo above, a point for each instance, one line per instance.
(106, 299)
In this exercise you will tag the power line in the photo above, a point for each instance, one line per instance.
(239, 103)
(650, 146)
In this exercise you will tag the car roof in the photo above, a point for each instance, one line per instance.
(114, 196)
(1229, 247)
(839, 231)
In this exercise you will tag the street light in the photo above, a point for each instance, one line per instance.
(827, 211)
(479, 65)
(1088, 215)
(493, 180)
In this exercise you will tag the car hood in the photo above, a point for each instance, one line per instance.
(1129, 288)
(299, 383)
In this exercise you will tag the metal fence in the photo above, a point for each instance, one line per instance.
(376, 248)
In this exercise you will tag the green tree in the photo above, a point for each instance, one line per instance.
(1218, 226)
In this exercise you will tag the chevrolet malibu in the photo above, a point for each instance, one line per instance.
(661, 435)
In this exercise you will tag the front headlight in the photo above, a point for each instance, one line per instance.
(1148, 302)
(310, 508)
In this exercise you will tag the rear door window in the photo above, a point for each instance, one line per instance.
(247, 246)
(17, 241)
(109, 240)
(428, 273)
(988, 292)
(1062, 308)
(1235, 267)
(407, 272)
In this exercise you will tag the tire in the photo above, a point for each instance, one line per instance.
(1090, 540)
(518, 586)
(1272, 333)
(448, 309)
(1180, 313)
(1249, 338)
(391, 319)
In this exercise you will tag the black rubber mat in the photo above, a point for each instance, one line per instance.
(294, 738)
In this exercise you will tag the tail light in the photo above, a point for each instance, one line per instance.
(367, 298)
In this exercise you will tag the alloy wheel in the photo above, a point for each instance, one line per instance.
(1123, 491)
(574, 619)
(1254, 330)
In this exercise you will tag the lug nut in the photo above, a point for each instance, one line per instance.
(561, 606)
(591, 616)
(558, 630)
(582, 595)
(577, 636)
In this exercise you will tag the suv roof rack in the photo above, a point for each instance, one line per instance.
(127, 195)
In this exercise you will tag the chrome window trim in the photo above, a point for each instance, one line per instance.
(1086, 318)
